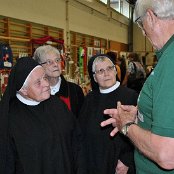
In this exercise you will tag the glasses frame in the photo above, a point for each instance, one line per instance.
(50, 62)
(139, 22)
(102, 71)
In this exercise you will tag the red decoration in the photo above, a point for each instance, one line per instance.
(45, 39)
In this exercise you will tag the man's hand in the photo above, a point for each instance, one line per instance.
(112, 113)
(126, 114)
(120, 116)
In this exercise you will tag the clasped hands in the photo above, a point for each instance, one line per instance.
(120, 116)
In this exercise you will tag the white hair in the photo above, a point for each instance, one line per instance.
(98, 60)
(41, 53)
(164, 9)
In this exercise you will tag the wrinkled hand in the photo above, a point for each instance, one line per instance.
(121, 168)
(120, 116)
(112, 113)
(125, 114)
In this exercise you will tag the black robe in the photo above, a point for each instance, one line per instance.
(44, 139)
(101, 150)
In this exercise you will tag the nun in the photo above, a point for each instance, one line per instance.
(105, 154)
(38, 134)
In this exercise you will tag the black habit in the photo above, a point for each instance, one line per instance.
(43, 139)
(102, 150)
(40, 139)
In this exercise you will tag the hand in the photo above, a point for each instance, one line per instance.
(121, 168)
(111, 113)
(129, 108)
(115, 120)
(125, 115)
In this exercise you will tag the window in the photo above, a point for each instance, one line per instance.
(122, 6)
(104, 1)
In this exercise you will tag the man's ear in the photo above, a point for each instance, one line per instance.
(152, 18)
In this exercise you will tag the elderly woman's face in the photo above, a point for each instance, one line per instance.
(105, 74)
(38, 87)
(53, 65)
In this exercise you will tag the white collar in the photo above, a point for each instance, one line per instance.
(114, 87)
(55, 89)
(27, 101)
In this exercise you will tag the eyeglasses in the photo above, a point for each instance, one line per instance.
(102, 71)
(139, 22)
(50, 62)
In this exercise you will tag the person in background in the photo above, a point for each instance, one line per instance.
(135, 74)
(104, 154)
(114, 57)
(123, 67)
(155, 61)
(153, 134)
(34, 138)
(70, 93)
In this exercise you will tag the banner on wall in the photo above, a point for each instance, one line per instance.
(82, 60)
(6, 56)
(89, 53)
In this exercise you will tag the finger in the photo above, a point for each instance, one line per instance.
(119, 107)
(107, 122)
(110, 112)
(118, 104)
(114, 131)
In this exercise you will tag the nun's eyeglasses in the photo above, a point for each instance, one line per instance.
(102, 71)
(50, 62)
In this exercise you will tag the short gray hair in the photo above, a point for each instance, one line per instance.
(98, 60)
(41, 53)
(164, 9)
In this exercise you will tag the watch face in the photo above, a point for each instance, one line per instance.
(124, 130)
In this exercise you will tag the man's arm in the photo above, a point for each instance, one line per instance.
(157, 148)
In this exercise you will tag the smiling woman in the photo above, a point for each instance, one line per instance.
(32, 133)
(36, 86)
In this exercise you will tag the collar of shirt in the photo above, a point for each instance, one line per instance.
(26, 101)
(114, 87)
(55, 89)
(162, 50)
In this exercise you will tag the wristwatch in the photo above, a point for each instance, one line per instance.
(125, 128)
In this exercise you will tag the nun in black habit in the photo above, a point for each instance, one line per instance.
(36, 137)
(103, 152)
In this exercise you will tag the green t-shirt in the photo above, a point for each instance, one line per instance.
(156, 105)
